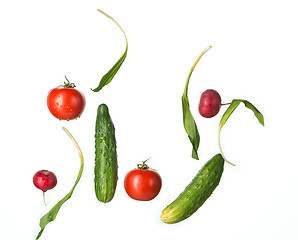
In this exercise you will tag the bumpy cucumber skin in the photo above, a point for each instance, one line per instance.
(106, 166)
(196, 193)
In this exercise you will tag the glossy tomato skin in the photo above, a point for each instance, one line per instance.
(66, 103)
(142, 184)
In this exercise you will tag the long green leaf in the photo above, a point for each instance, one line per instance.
(188, 120)
(234, 104)
(190, 127)
(107, 78)
(51, 215)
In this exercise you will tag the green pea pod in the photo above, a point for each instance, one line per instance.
(107, 78)
(234, 104)
(188, 120)
(51, 215)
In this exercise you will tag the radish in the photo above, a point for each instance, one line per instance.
(44, 180)
(210, 103)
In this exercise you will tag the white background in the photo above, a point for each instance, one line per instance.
(254, 57)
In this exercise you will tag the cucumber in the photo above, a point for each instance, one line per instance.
(196, 193)
(106, 167)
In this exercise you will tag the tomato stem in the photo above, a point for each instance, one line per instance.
(68, 84)
(143, 165)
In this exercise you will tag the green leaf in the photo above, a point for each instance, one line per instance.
(234, 104)
(257, 113)
(107, 78)
(188, 120)
(190, 127)
(51, 215)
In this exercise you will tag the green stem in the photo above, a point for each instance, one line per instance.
(114, 22)
(78, 149)
(221, 148)
(193, 67)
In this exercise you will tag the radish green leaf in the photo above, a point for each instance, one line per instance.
(234, 104)
(51, 215)
(107, 78)
(188, 120)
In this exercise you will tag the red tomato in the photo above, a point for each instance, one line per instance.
(66, 103)
(142, 183)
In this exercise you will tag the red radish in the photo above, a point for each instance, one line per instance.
(210, 103)
(44, 180)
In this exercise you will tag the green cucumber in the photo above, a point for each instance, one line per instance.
(106, 167)
(196, 193)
